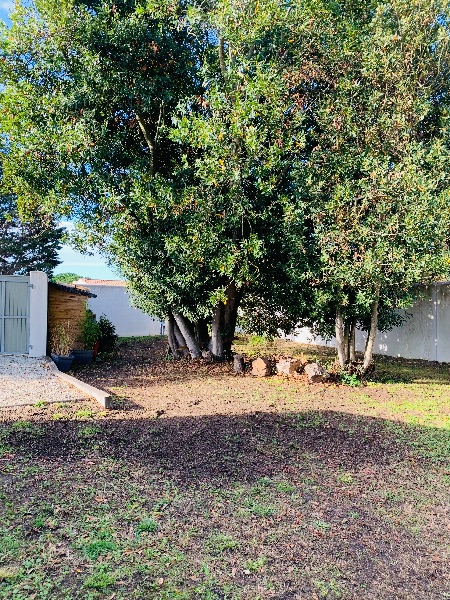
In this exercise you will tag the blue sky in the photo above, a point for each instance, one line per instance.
(72, 262)
(5, 7)
(85, 266)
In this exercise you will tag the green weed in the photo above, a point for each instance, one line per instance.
(84, 413)
(350, 379)
(88, 431)
(102, 544)
(147, 525)
(100, 580)
(260, 510)
(218, 543)
(253, 566)
(346, 478)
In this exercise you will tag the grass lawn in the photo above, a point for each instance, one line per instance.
(205, 485)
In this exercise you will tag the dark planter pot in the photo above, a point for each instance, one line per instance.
(82, 357)
(63, 362)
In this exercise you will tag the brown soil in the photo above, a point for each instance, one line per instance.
(260, 488)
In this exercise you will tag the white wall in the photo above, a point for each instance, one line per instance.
(425, 335)
(113, 301)
(38, 313)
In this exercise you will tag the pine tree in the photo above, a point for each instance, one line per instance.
(25, 246)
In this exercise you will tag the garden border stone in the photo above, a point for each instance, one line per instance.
(102, 397)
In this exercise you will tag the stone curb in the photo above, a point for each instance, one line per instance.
(103, 398)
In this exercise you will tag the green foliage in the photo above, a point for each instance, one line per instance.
(100, 545)
(172, 163)
(350, 379)
(298, 152)
(107, 335)
(100, 580)
(218, 543)
(379, 167)
(65, 277)
(147, 525)
(27, 245)
(90, 330)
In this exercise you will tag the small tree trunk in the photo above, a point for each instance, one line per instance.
(171, 336)
(180, 341)
(238, 363)
(230, 315)
(189, 338)
(216, 332)
(372, 333)
(346, 340)
(351, 341)
(339, 328)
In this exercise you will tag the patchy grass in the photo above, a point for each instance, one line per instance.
(137, 339)
(206, 486)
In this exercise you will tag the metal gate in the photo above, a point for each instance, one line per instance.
(14, 314)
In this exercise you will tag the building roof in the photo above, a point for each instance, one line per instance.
(71, 289)
(109, 282)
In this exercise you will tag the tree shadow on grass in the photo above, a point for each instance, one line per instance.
(321, 504)
(236, 446)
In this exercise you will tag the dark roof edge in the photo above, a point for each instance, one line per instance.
(72, 289)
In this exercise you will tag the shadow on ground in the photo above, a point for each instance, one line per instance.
(299, 505)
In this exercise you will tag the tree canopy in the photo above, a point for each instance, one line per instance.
(379, 169)
(285, 160)
(30, 245)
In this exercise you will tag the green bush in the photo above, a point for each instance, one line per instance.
(108, 337)
(90, 330)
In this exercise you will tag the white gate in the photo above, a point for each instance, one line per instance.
(14, 314)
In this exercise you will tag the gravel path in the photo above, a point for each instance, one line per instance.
(25, 380)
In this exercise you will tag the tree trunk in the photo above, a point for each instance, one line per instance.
(230, 316)
(238, 363)
(216, 332)
(201, 333)
(181, 342)
(340, 343)
(346, 340)
(372, 333)
(351, 341)
(150, 141)
(171, 336)
(189, 338)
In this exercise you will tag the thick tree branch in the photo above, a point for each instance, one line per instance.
(373, 330)
(223, 67)
(148, 138)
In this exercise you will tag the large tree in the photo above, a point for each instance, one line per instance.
(240, 153)
(379, 170)
(27, 245)
(168, 134)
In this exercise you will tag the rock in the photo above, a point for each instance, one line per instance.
(208, 356)
(261, 367)
(238, 363)
(288, 366)
(315, 372)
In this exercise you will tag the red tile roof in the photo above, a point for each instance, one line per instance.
(110, 282)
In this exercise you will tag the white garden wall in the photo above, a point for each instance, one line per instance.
(113, 301)
(425, 335)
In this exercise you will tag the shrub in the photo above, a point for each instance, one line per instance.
(108, 337)
(62, 338)
(90, 330)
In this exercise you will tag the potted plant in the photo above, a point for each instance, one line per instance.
(62, 338)
(90, 332)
